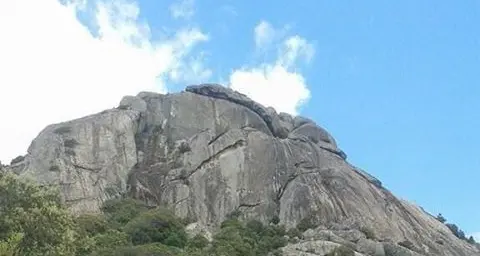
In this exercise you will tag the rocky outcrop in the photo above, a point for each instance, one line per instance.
(312, 248)
(210, 151)
(89, 158)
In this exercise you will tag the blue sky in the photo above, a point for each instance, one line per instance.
(395, 82)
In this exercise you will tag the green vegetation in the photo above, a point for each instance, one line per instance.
(471, 240)
(441, 218)
(34, 222)
(295, 232)
(253, 238)
(156, 226)
(456, 230)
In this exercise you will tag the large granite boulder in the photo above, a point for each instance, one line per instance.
(210, 151)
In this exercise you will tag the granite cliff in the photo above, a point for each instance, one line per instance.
(208, 152)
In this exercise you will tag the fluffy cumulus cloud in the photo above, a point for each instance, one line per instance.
(277, 83)
(54, 68)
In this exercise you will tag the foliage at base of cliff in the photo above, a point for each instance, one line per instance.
(34, 222)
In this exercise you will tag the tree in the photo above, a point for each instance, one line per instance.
(91, 224)
(471, 240)
(122, 210)
(157, 225)
(253, 238)
(33, 220)
(441, 218)
(456, 231)
(10, 246)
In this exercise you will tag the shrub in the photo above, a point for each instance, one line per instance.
(120, 211)
(441, 218)
(270, 243)
(111, 239)
(253, 238)
(471, 240)
(233, 240)
(454, 228)
(255, 226)
(294, 232)
(154, 249)
(231, 223)
(157, 225)
(275, 220)
(277, 230)
(198, 241)
(10, 245)
(91, 224)
(456, 231)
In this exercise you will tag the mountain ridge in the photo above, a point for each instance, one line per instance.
(209, 151)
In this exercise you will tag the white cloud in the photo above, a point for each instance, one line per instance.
(54, 69)
(272, 85)
(191, 71)
(182, 9)
(264, 34)
(293, 49)
(276, 84)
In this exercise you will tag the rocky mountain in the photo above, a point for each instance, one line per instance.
(209, 152)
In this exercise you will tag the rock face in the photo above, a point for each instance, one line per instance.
(209, 151)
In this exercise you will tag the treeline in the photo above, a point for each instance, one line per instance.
(456, 230)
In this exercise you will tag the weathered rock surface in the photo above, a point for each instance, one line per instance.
(326, 235)
(90, 158)
(311, 248)
(210, 151)
(370, 247)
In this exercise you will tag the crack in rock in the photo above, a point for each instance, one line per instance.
(91, 169)
(234, 146)
(251, 205)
